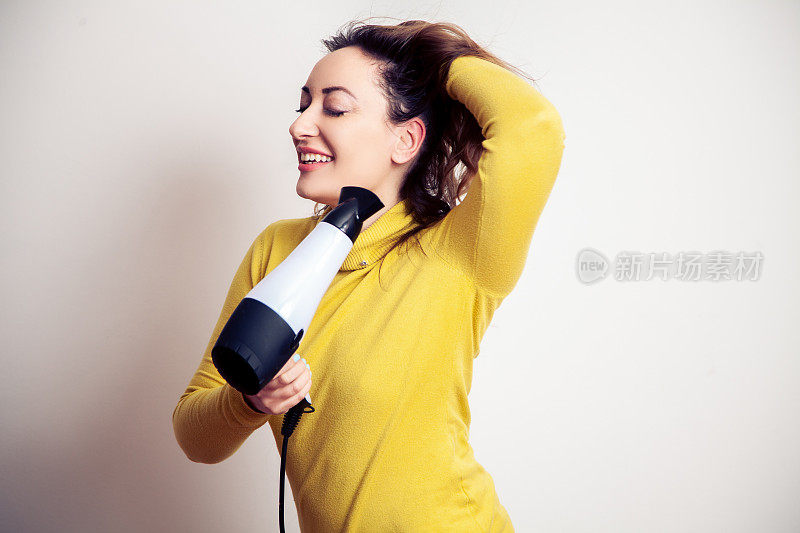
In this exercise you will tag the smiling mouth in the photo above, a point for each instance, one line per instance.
(312, 165)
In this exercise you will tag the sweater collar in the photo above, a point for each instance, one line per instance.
(374, 242)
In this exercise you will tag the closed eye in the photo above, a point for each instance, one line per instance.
(328, 111)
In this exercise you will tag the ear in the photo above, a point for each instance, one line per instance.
(410, 135)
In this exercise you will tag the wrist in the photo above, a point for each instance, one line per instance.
(250, 405)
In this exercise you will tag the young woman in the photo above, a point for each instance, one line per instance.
(395, 108)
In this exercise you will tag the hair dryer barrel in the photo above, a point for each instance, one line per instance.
(266, 327)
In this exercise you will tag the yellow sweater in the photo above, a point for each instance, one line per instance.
(387, 448)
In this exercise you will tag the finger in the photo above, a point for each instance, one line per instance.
(291, 363)
(292, 375)
(290, 389)
(295, 398)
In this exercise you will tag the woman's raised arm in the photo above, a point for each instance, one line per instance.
(487, 236)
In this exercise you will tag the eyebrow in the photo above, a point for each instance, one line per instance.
(327, 90)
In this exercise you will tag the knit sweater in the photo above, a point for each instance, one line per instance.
(387, 448)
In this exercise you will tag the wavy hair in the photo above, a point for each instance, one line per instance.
(414, 59)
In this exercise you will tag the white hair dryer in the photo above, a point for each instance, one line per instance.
(266, 327)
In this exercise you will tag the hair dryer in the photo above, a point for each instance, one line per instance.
(266, 327)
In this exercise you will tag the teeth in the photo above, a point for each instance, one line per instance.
(315, 157)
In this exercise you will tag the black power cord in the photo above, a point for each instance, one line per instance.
(290, 420)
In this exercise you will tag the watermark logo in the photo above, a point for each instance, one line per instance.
(719, 265)
(592, 266)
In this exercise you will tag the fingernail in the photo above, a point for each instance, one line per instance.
(296, 357)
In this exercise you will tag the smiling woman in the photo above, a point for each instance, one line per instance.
(349, 122)
(387, 448)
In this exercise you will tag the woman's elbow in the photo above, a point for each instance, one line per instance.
(191, 444)
(202, 457)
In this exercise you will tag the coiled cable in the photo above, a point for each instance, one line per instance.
(290, 421)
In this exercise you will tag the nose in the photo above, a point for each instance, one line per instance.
(303, 126)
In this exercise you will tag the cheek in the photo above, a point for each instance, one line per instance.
(362, 150)
(372, 146)
(365, 166)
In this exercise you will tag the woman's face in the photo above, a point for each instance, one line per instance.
(351, 125)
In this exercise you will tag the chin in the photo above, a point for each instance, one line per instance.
(315, 195)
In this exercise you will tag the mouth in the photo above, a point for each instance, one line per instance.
(312, 165)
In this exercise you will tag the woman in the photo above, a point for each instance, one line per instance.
(393, 339)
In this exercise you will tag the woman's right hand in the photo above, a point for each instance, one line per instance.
(285, 390)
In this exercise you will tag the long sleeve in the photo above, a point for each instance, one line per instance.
(212, 420)
(487, 236)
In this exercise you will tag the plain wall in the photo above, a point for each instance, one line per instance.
(145, 144)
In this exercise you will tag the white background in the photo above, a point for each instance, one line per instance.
(145, 144)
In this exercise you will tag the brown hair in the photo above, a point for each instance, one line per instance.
(415, 57)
